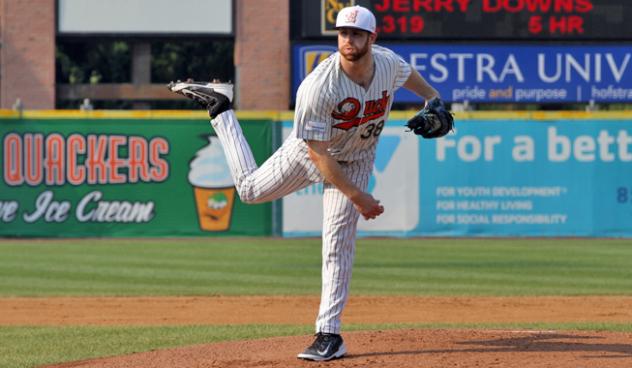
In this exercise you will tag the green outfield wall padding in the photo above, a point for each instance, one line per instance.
(123, 176)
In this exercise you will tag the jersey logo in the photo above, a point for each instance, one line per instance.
(348, 110)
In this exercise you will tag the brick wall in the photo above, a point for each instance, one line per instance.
(262, 50)
(27, 55)
(27, 68)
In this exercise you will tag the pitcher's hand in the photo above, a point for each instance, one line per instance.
(368, 206)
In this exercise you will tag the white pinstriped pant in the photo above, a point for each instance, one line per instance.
(290, 169)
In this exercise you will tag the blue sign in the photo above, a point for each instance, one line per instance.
(503, 177)
(522, 178)
(507, 73)
(394, 180)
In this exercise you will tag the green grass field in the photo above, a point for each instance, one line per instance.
(254, 266)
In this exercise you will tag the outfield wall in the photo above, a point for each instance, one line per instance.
(161, 173)
(123, 174)
(500, 174)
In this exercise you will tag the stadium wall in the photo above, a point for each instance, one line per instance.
(162, 173)
(500, 174)
(123, 174)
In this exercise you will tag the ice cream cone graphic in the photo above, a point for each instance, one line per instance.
(213, 187)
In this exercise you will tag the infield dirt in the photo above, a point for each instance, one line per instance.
(392, 348)
(401, 348)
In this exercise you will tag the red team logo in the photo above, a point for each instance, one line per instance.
(347, 109)
(350, 107)
(351, 16)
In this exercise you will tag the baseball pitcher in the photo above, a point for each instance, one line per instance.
(341, 109)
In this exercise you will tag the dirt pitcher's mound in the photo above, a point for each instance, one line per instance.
(402, 348)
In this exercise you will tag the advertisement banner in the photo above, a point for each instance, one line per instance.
(515, 177)
(123, 177)
(395, 181)
(505, 73)
(526, 178)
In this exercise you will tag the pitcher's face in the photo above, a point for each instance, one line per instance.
(353, 43)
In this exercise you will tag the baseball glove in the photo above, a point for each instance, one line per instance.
(433, 121)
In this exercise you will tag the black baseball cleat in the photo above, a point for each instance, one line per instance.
(325, 347)
(215, 97)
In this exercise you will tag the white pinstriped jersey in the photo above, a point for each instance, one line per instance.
(331, 107)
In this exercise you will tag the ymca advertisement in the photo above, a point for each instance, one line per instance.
(504, 73)
(123, 177)
(495, 178)
(520, 178)
(395, 181)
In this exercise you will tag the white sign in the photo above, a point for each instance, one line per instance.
(164, 17)
(394, 182)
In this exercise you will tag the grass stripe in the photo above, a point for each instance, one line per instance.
(255, 266)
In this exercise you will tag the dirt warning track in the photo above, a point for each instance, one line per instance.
(302, 310)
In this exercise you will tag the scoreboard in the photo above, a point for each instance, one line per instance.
(490, 51)
(480, 19)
